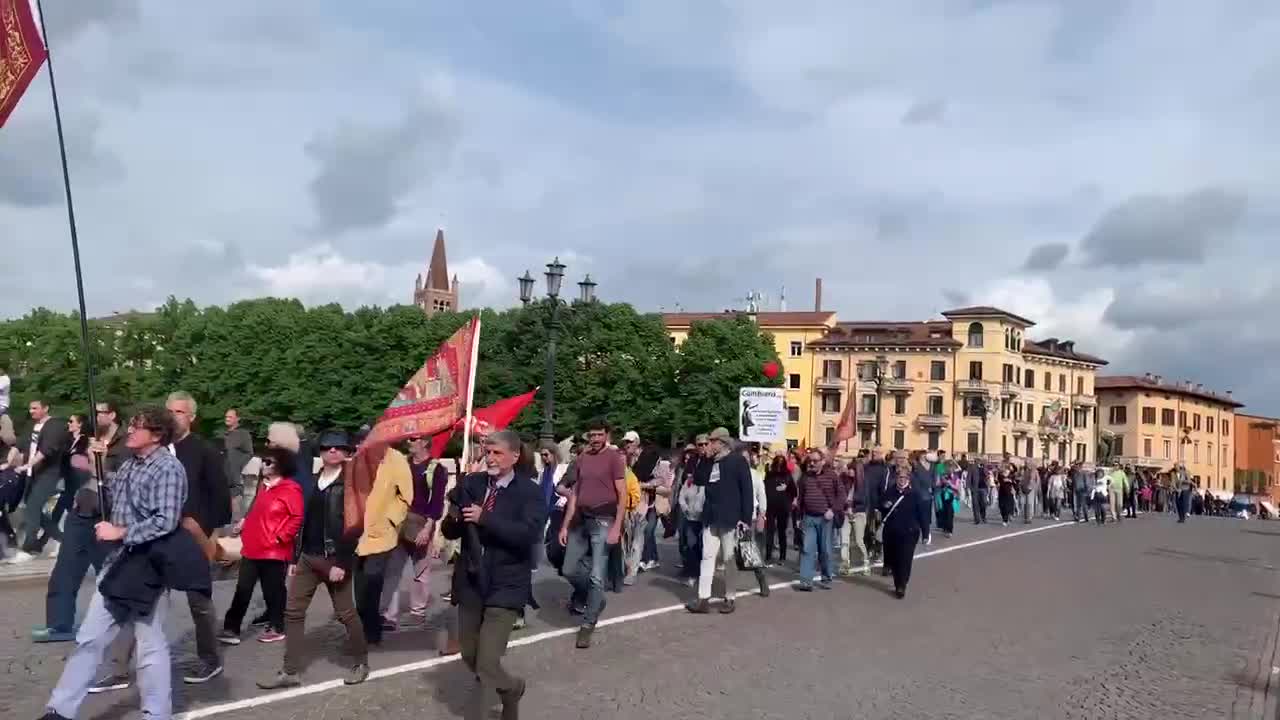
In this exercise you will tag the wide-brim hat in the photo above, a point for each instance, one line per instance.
(335, 439)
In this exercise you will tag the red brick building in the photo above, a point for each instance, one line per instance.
(1258, 455)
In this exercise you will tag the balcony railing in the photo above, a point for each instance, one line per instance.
(829, 384)
(972, 387)
(1024, 426)
(1084, 399)
(931, 420)
(866, 418)
(1010, 390)
(896, 384)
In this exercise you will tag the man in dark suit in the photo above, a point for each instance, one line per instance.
(46, 464)
(498, 514)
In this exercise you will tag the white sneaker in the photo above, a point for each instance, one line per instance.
(51, 550)
(20, 557)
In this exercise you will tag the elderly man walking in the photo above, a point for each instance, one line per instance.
(728, 509)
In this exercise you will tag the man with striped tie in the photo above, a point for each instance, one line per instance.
(498, 518)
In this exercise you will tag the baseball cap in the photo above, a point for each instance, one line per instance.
(721, 434)
(631, 437)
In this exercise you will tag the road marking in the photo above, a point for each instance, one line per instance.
(275, 697)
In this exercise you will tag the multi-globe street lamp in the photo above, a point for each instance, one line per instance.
(586, 294)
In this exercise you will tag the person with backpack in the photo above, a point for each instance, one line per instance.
(728, 510)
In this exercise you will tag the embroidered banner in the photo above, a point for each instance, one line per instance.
(22, 52)
(435, 398)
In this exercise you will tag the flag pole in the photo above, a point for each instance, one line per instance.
(471, 399)
(92, 417)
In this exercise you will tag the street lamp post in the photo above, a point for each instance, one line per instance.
(555, 278)
(979, 408)
(882, 369)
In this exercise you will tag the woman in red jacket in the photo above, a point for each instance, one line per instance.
(268, 532)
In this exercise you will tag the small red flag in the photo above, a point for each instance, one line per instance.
(22, 52)
(486, 420)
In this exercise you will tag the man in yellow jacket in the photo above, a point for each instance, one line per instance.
(384, 514)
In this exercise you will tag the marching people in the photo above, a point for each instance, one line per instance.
(149, 556)
(12, 485)
(498, 516)
(1007, 492)
(1057, 488)
(923, 474)
(976, 480)
(691, 499)
(945, 501)
(1118, 488)
(780, 492)
(592, 525)
(46, 463)
(728, 511)
(237, 450)
(323, 554)
(1029, 479)
(267, 532)
(901, 528)
(207, 508)
(385, 510)
(1182, 487)
(1081, 487)
(1101, 487)
(80, 550)
(430, 479)
(818, 499)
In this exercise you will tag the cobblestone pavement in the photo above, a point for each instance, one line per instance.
(1147, 619)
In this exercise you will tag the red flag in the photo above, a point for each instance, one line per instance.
(22, 52)
(845, 430)
(486, 420)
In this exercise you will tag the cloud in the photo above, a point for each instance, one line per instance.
(1163, 228)
(1046, 257)
(365, 172)
(925, 112)
(30, 165)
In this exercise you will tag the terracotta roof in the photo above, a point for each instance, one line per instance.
(764, 319)
(1062, 349)
(981, 311)
(933, 334)
(438, 270)
(1135, 382)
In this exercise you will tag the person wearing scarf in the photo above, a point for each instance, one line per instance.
(900, 510)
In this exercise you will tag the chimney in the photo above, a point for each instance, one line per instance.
(1148, 377)
(817, 295)
(1068, 346)
(1159, 379)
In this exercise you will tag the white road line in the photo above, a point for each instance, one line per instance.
(276, 697)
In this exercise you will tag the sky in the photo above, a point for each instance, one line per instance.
(1107, 168)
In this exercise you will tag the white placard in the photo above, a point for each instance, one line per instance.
(762, 414)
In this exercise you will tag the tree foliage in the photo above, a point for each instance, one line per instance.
(274, 359)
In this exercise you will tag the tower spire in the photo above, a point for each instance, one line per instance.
(438, 270)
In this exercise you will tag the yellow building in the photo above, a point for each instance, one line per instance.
(915, 383)
(1157, 423)
(792, 332)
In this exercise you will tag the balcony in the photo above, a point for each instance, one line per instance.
(866, 418)
(972, 387)
(932, 421)
(1024, 427)
(829, 384)
(1010, 390)
(896, 385)
(1088, 400)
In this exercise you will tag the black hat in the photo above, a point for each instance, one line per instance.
(334, 439)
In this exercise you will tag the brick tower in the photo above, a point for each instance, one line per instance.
(437, 292)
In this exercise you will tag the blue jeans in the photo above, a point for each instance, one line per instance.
(586, 560)
(817, 545)
(650, 551)
(80, 551)
(96, 633)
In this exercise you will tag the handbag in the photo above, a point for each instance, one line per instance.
(885, 520)
(413, 525)
(747, 553)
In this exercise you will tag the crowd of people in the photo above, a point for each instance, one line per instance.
(147, 504)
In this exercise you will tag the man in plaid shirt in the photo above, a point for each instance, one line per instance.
(147, 495)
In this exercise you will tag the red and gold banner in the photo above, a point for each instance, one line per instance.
(435, 398)
(22, 52)
(486, 420)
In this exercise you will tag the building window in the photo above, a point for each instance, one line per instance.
(975, 370)
(899, 369)
(831, 403)
(1208, 452)
(1182, 419)
(793, 413)
(899, 439)
(1119, 415)
(1029, 379)
(970, 408)
(797, 348)
(1167, 417)
(974, 442)
(1195, 422)
(935, 405)
(1148, 416)
(1226, 428)
(1007, 373)
(1004, 443)
(1062, 452)
(1195, 451)
(832, 369)
(792, 444)
(1008, 342)
(1017, 411)
(1079, 386)
(899, 405)
(1081, 449)
(975, 335)
(1168, 449)
(1044, 414)
(934, 436)
(938, 370)
(1208, 423)
(1062, 384)
(793, 381)
(868, 404)
(866, 437)
(831, 436)
(1117, 445)
(1004, 410)
(1146, 447)
(1048, 381)
(1031, 412)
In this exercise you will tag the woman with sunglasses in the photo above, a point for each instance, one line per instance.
(268, 532)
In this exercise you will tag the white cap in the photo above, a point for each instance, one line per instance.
(631, 437)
